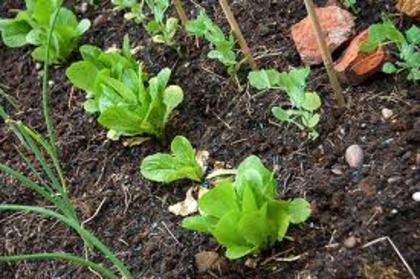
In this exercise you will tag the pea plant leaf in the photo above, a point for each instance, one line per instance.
(180, 163)
(222, 46)
(407, 44)
(303, 104)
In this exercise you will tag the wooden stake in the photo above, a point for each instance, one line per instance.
(238, 34)
(326, 55)
(181, 12)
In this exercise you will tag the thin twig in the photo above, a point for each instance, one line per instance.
(171, 234)
(326, 55)
(181, 12)
(96, 212)
(238, 34)
(381, 239)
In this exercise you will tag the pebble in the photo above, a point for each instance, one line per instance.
(207, 260)
(406, 156)
(83, 7)
(100, 19)
(416, 196)
(394, 211)
(394, 179)
(387, 113)
(368, 187)
(354, 156)
(337, 171)
(350, 242)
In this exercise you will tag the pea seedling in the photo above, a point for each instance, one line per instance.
(303, 104)
(135, 10)
(163, 32)
(223, 48)
(407, 45)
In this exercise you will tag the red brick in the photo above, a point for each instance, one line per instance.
(337, 25)
(355, 66)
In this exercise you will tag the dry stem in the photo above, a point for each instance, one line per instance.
(326, 55)
(238, 34)
(181, 12)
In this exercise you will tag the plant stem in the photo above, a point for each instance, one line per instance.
(181, 12)
(326, 55)
(238, 34)
(61, 256)
(86, 235)
(48, 122)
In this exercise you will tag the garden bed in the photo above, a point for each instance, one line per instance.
(350, 208)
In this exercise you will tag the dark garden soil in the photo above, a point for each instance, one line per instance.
(350, 207)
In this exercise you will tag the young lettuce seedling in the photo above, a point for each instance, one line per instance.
(31, 27)
(303, 104)
(135, 9)
(163, 32)
(407, 45)
(180, 164)
(223, 48)
(245, 215)
(127, 101)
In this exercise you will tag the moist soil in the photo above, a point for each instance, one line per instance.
(223, 115)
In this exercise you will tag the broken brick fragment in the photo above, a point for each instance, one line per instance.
(337, 25)
(355, 66)
(410, 7)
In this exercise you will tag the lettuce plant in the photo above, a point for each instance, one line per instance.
(223, 48)
(303, 104)
(163, 31)
(135, 10)
(407, 45)
(181, 163)
(31, 27)
(245, 215)
(128, 102)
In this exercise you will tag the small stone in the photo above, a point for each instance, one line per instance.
(38, 66)
(378, 210)
(251, 263)
(368, 187)
(99, 20)
(416, 196)
(394, 179)
(332, 247)
(394, 211)
(354, 156)
(51, 83)
(387, 113)
(407, 155)
(350, 242)
(337, 25)
(83, 7)
(337, 171)
(410, 8)
(355, 66)
(207, 260)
